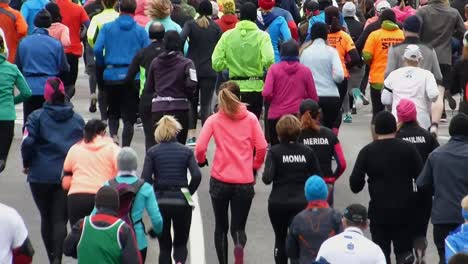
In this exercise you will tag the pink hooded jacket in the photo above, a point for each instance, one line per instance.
(140, 16)
(402, 15)
(235, 140)
(287, 84)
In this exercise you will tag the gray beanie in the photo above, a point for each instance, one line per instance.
(127, 160)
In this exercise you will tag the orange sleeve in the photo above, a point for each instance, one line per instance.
(21, 26)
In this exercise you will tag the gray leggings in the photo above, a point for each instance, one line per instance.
(355, 77)
(204, 93)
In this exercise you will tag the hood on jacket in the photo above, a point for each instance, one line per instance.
(98, 143)
(265, 20)
(289, 67)
(229, 19)
(389, 25)
(244, 26)
(2, 58)
(169, 59)
(59, 113)
(239, 115)
(140, 9)
(126, 22)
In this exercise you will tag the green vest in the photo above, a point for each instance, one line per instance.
(100, 244)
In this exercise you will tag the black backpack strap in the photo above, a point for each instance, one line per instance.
(137, 185)
(113, 183)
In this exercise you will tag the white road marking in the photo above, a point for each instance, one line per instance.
(197, 241)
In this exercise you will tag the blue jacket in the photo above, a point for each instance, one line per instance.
(29, 10)
(456, 242)
(40, 57)
(278, 29)
(145, 199)
(48, 135)
(121, 39)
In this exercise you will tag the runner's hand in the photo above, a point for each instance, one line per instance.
(201, 165)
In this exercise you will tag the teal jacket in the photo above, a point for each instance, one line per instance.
(9, 78)
(145, 199)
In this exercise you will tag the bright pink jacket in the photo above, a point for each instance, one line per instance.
(402, 15)
(140, 16)
(235, 140)
(287, 84)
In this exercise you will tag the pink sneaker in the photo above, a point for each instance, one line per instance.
(238, 255)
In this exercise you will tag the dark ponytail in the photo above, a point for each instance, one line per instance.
(93, 128)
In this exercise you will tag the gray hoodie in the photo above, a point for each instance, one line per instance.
(440, 23)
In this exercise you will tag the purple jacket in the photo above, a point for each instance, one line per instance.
(287, 84)
(172, 80)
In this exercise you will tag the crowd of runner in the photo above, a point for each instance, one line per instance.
(304, 68)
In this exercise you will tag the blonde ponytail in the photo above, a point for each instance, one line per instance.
(228, 102)
(167, 129)
(203, 22)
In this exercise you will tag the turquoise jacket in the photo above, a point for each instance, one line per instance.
(145, 199)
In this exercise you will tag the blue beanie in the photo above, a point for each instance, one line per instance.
(315, 189)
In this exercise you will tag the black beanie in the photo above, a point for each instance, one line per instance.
(248, 11)
(107, 198)
(205, 8)
(459, 125)
(385, 123)
(54, 12)
(388, 14)
(43, 19)
(289, 48)
(319, 30)
(412, 24)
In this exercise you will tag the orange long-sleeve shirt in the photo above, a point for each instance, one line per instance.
(14, 27)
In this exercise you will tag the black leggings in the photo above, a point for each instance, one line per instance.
(7, 131)
(239, 197)
(79, 206)
(180, 217)
(51, 201)
(204, 94)
(343, 90)
(182, 116)
(254, 101)
(33, 103)
(281, 216)
(272, 135)
(147, 120)
(330, 110)
(122, 104)
(376, 101)
(69, 78)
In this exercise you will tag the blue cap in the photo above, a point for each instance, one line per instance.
(315, 189)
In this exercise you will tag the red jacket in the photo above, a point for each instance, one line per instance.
(15, 28)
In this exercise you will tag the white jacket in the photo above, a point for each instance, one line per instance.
(351, 247)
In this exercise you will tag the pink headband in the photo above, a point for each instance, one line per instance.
(49, 90)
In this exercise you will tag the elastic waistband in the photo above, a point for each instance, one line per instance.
(111, 66)
(168, 99)
(246, 78)
(38, 75)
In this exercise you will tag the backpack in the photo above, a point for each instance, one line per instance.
(127, 194)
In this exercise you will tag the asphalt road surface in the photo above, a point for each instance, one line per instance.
(15, 192)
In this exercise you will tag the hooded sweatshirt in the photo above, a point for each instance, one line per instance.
(174, 86)
(227, 22)
(14, 27)
(438, 32)
(91, 164)
(29, 11)
(287, 84)
(277, 28)
(107, 15)
(10, 78)
(140, 16)
(123, 34)
(403, 14)
(48, 135)
(234, 159)
(375, 51)
(246, 52)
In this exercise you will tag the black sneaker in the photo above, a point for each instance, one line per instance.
(451, 101)
(92, 106)
(353, 111)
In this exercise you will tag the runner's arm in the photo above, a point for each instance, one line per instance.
(358, 176)
(29, 139)
(270, 169)
(310, 86)
(130, 252)
(23, 88)
(203, 140)
(218, 57)
(147, 173)
(260, 146)
(152, 208)
(340, 162)
(292, 242)
(194, 172)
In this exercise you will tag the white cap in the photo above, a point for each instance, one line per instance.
(413, 53)
(382, 5)
(349, 9)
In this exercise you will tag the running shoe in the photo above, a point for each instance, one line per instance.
(348, 118)
(354, 110)
(92, 106)
(358, 99)
(138, 123)
(365, 100)
(451, 101)
(191, 142)
(116, 140)
(443, 118)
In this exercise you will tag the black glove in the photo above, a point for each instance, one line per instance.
(255, 173)
(152, 233)
(201, 165)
